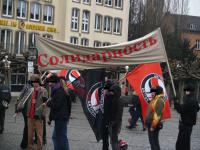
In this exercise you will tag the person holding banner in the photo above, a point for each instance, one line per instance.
(188, 111)
(60, 106)
(112, 118)
(154, 116)
(35, 113)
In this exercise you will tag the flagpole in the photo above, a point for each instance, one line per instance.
(169, 70)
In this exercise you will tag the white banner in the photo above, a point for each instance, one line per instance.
(57, 55)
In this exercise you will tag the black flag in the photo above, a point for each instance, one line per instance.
(89, 87)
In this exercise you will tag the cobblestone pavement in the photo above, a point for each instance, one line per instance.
(81, 136)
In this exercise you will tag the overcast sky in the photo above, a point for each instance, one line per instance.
(194, 7)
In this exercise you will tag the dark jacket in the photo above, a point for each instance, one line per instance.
(188, 110)
(113, 106)
(5, 93)
(60, 105)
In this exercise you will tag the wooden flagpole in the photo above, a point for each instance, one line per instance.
(169, 70)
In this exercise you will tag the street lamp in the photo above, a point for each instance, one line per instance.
(126, 68)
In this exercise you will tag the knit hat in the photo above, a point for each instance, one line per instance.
(108, 84)
(53, 78)
(157, 90)
(189, 87)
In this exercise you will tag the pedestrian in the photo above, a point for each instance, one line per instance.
(188, 112)
(124, 89)
(5, 97)
(60, 108)
(112, 117)
(35, 112)
(21, 106)
(154, 116)
(135, 111)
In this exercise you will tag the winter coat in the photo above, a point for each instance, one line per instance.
(39, 111)
(60, 105)
(188, 110)
(113, 106)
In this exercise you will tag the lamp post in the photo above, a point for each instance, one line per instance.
(126, 68)
(7, 63)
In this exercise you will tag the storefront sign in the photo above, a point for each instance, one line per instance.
(28, 26)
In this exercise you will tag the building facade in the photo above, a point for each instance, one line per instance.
(83, 22)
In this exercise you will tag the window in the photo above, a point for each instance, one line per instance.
(108, 2)
(106, 44)
(49, 1)
(18, 78)
(22, 9)
(76, 1)
(6, 39)
(84, 42)
(117, 26)
(48, 36)
(48, 14)
(32, 40)
(86, 1)
(20, 38)
(35, 12)
(97, 44)
(198, 45)
(98, 22)
(99, 1)
(107, 24)
(75, 19)
(7, 10)
(118, 3)
(74, 40)
(85, 21)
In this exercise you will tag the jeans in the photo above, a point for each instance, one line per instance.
(59, 137)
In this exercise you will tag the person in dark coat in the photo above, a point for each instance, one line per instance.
(188, 111)
(112, 117)
(135, 111)
(60, 108)
(5, 97)
(21, 106)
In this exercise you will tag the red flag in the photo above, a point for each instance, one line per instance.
(141, 79)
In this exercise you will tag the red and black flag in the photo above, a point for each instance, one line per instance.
(89, 88)
(141, 79)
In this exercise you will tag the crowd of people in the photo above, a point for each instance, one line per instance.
(36, 96)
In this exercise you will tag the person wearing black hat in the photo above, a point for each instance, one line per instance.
(60, 108)
(188, 111)
(154, 116)
(5, 97)
(112, 117)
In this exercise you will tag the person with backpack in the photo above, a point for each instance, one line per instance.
(5, 97)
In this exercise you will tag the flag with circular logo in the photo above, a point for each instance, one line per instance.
(141, 79)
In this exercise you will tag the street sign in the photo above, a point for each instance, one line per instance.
(30, 63)
(30, 69)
